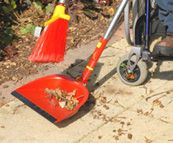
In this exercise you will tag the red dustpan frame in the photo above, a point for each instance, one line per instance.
(33, 94)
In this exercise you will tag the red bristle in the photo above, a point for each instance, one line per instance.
(50, 46)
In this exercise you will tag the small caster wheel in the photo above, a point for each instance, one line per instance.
(135, 77)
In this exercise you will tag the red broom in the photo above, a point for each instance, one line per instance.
(50, 46)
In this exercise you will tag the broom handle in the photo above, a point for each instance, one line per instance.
(61, 2)
(102, 43)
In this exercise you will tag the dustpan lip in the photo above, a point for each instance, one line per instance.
(34, 106)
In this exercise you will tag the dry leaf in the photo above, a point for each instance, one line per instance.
(65, 99)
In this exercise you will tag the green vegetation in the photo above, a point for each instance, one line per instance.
(18, 18)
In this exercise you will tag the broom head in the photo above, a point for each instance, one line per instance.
(50, 47)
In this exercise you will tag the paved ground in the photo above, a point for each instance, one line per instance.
(115, 113)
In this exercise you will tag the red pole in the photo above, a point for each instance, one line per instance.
(93, 60)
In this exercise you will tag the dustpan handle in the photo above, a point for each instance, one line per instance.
(61, 1)
(102, 43)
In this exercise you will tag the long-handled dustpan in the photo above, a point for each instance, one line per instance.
(33, 94)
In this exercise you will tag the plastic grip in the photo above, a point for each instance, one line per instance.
(59, 12)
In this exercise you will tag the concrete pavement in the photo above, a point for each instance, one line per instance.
(114, 113)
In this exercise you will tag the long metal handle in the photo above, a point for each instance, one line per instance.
(61, 1)
(102, 44)
(115, 19)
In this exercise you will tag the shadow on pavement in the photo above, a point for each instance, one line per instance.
(86, 108)
(163, 75)
(103, 79)
(75, 71)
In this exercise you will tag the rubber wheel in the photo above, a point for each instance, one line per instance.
(135, 77)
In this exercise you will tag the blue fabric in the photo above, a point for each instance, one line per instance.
(166, 13)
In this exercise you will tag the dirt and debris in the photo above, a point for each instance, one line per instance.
(88, 22)
(129, 136)
(120, 132)
(123, 131)
(11, 51)
(65, 99)
(157, 102)
(146, 113)
(2, 126)
(147, 140)
(17, 67)
(15, 110)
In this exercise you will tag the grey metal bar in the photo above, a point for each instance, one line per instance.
(135, 7)
(126, 24)
(61, 1)
(115, 19)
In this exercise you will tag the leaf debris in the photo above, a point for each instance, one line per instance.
(65, 99)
